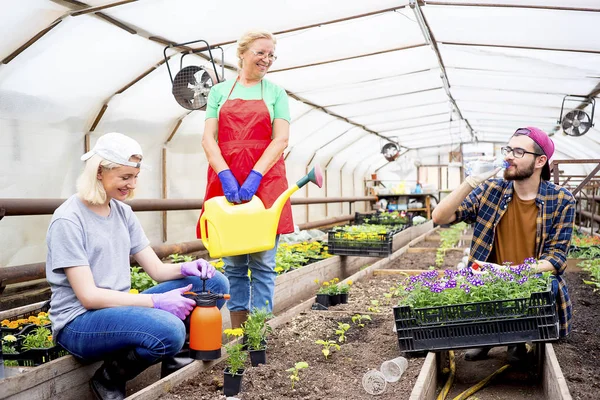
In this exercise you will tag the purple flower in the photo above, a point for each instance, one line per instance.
(523, 280)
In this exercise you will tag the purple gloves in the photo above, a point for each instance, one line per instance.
(200, 268)
(173, 302)
(250, 186)
(230, 186)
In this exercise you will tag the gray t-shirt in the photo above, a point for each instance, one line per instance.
(77, 237)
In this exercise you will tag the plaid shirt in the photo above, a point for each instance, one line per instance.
(487, 203)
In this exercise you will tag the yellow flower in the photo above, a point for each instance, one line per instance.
(9, 338)
(234, 332)
(4, 322)
(350, 283)
(13, 324)
(316, 281)
(325, 283)
(278, 269)
(50, 338)
(134, 291)
(42, 314)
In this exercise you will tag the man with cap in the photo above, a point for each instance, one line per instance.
(521, 216)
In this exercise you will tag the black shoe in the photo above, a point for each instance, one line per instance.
(516, 353)
(479, 353)
(172, 364)
(108, 383)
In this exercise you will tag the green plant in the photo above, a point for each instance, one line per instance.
(327, 344)
(341, 331)
(40, 338)
(489, 283)
(358, 318)
(8, 348)
(177, 258)
(345, 287)
(256, 328)
(374, 306)
(294, 377)
(235, 351)
(593, 268)
(388, 298)
(140, 280)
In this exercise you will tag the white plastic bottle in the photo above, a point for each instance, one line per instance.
(483, 164)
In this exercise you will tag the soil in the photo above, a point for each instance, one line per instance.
(579, 353)
(339, 377)
(426, 259)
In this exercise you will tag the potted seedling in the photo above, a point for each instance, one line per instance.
(344, 289)
(334, 292)
(256, 330)
(323, 293)
(234, 370)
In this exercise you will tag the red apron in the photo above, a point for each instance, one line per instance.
(244, 132)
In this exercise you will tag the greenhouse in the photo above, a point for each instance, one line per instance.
(333, 200)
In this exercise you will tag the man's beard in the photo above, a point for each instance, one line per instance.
(519, 174)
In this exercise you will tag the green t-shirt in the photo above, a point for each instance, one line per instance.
(274, 97)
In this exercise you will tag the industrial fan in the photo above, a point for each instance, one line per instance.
(192, 84)
(390, 151)
(577, 121)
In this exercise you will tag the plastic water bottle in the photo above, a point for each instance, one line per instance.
(484, 164)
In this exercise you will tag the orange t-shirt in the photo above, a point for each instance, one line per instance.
(514, 240)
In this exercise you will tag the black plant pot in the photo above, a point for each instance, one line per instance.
(343, 298)
(258, 357)
(323, 299)
(232, 383)
(334, 299)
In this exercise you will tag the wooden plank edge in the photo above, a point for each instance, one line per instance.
(383, 272)
(554, 384)
(7, 314)
(425, 386)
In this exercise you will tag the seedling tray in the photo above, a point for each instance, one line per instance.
(17, 331)
(489, 323)
(376, 219)
(381, 247)
(35, 357)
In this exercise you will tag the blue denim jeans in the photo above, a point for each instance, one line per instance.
(256, 291)
(152, 333)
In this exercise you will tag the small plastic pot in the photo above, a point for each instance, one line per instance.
(258, 357)
(334, 299)
(343, 298)
(232, 383)
(323, 299)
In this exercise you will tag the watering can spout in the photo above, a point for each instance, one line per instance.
(249, 227)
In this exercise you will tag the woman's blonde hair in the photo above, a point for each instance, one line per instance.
(248, 38)
(89, 188)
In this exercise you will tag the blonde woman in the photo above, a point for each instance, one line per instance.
(90, 238)
(245, 133)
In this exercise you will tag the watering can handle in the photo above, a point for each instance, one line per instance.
(203, 233)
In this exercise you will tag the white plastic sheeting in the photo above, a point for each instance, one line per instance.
(353, 69)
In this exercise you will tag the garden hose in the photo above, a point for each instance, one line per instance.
(470, 391)
(450, 381)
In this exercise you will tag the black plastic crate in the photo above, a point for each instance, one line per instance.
(376, 219)
(382, 247)
(489, 323)
(35, 357)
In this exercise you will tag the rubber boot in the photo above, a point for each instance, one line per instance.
(479, 353)
(108, 383)
(238, 318)
(172, 364)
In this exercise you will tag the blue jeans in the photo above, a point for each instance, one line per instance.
(256, 291)
(152, 333)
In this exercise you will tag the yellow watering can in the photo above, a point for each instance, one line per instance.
(246, 228)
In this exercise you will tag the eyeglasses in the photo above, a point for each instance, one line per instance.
(262, 54)
(517, 152)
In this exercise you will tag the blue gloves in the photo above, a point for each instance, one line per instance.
(250, 186)
(230, 186)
